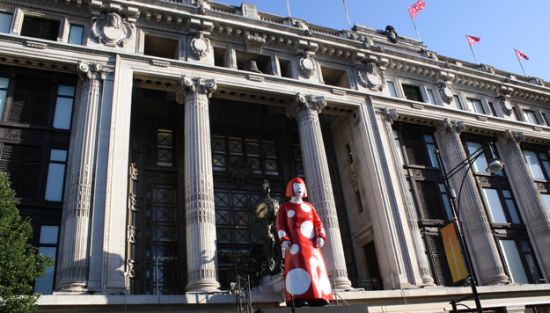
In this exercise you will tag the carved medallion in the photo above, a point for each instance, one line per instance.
(111, 30)
(200, 46)
(445, 92)
(505, 104)
(307, 66)
(371, 76)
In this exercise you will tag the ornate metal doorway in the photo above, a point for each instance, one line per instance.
(156, 223)
(253, 145)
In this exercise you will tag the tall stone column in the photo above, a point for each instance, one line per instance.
(528, 197)
(475, 224)
(306, 111)
(73, 263)
(199, 185)
(390, 115)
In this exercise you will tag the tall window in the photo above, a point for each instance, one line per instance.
(546, 202)
(416, 147)
(47, 246)
(503, 213)
(538, 161)
(64, 107)
(4, 82)
(520, 260)
(56, 175)
(5, 22)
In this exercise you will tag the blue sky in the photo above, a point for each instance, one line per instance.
(501, 24)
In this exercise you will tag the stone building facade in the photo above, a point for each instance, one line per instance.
(138, 135)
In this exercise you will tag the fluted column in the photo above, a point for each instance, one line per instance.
(72, 268)
(419, 247)
(528, 197)
(306, 110)
(199, 185)
(481, 243)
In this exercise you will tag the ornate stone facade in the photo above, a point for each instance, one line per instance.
(361, 99)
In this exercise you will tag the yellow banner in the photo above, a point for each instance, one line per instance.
(453, 252)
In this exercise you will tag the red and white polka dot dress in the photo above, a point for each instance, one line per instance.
(305, 271)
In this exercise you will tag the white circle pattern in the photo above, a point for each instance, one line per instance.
(294, 249)
(290, 213)
(281, 234)
(305, 207)
(297, 281)
(307, 229)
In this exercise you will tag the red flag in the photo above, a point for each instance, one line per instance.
(520, 54)
(416, 7)
(472, 40)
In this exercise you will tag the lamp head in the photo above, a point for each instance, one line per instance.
(494, 166)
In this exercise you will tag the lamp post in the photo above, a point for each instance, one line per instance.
(494, 165)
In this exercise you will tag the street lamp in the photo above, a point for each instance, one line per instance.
(494, 165)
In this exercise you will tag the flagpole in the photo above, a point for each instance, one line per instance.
(520, 64)
(347, 12)
(288, 7)
(472, 49)
(416, 29)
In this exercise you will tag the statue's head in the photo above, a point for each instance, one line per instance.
(296, 187)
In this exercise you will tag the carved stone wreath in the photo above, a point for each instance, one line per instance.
(307, 66)
(200, 46)
(112, 30)
(371, 76)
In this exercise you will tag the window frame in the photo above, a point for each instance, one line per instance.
(527, 117)
(55, 245)
(40, 15)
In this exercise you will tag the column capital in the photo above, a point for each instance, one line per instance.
(305, 102)
(513, 135)
(453, 125)
(390, 114)
(200, 85)
(91, 71)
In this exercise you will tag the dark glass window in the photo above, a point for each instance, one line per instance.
(5, 22)
(476, 105)
(47, 247)
(417, 152)
(412, 92)
(503, 214)
(76, 34)
(391, 88)
(531, 117)
(39, 27)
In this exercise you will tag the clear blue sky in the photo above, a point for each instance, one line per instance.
(501, 24)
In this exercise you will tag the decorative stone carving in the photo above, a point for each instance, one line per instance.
(188, 84)
(254, 42)
(112, 30)
(200, 45)
(315, 103)
(454, 126)
(307, 65)
(504, 99)
(371, 76)
(514, 135)
(91, 71)
(390, 114)
(444, 86)
(391, 34)
(536, 81)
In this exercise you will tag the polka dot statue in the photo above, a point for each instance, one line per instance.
(302, 235)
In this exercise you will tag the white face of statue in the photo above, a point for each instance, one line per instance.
(299, 190)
